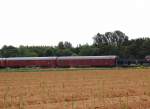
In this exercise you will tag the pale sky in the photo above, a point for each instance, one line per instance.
(46, 22)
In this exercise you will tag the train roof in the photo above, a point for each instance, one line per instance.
(31, 58)
(60, 58)
(2, 58)
(87, 57)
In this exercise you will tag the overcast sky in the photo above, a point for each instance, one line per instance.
(46, 22)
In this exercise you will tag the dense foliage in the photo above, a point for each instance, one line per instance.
(110, 43)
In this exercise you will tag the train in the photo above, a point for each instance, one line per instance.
(72, 61)
(59, 62)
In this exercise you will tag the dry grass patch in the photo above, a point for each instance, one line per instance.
(87, 89)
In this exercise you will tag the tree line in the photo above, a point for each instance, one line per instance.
(109, 43)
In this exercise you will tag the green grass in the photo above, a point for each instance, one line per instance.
(48, 69)
(36, 69)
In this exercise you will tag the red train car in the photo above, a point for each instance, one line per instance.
(87, 61)
(2, 62)
(31, 62)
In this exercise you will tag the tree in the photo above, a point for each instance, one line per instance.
(87, 50)
(65, 52)
(25, 51)
(61, 45)
(116, 38)
(119, 38)
(99, 39)
(49, 52)
(9, 51)
(144, 48)
(67, 45)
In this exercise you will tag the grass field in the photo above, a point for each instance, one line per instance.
(75, 89)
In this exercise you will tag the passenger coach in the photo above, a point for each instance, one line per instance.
(87, 61)
(31, 62)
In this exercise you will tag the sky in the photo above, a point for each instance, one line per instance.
(46, 22)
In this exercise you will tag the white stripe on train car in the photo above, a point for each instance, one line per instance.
(31, 58)
(86, 57)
